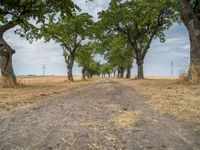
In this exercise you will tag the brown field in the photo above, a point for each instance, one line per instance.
(165, 94)
(169, 96)
(32, 90)
(162, 77)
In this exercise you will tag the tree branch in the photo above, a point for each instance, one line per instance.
(186, 12)
(4, 12)
(6, 27)
(63, 42)
(118, 28)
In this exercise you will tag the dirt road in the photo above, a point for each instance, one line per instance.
(106, 115)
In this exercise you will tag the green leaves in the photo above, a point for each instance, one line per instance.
(120, 54)
(127, 28)
(85, 55)
(25, 12)
(69, 32)
(139, 21)
(85, 58)
(72, 34)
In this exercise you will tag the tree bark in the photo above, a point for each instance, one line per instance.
(192, 22)
(121, 72)
(140, 69)
(6, 53)
(70, 67)
(6, 64)
(69, 72)
(90, 73)
(109, 75)
(118, 72)
(128, 74)
(83, 73)
(114, 73)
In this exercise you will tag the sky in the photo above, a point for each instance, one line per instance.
(29, 58)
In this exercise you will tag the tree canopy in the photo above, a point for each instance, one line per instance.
(140, 22)
(123, 32)
(71, 33)
(29, 15)
(85, 59)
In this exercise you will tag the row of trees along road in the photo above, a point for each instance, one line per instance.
(21, 12)
(118, 54)
(71, 33)
(85, 59)
(139, 22)
(124, 32)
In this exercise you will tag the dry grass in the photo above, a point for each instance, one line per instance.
(162, 77)
(194, 73)
(5, 82)
(126, 120)
(32, 90)
(191, 77)
(183, 78)
(169, 96)
(121, 119)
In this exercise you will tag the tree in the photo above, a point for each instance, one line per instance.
(85, 56)
(140, 22)
(22, 13)
(190, 14)
(71, 34)
(106, 68)
(93, 69)
(116, 50)
(120, 56)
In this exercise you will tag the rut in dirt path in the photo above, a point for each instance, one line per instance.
(105, 115)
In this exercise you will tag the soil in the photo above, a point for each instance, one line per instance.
(105, 115)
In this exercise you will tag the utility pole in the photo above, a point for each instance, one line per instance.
(43, 68)
(172, 68)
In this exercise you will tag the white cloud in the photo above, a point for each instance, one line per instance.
(30, 57)
(187, 47)
(175, 40)
(93, 7)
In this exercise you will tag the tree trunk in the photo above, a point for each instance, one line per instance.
(118, 72)
(140, 71)
(128, 75)
(114, 72)
(70, 67)
(6, 53)
(140, 74)
(90, 73)
(69, 72)
(83, 73)
(192, 21)
(121, 72)
(7, 72)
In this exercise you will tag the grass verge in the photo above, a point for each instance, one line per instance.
(33, 90)
(169, 96)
